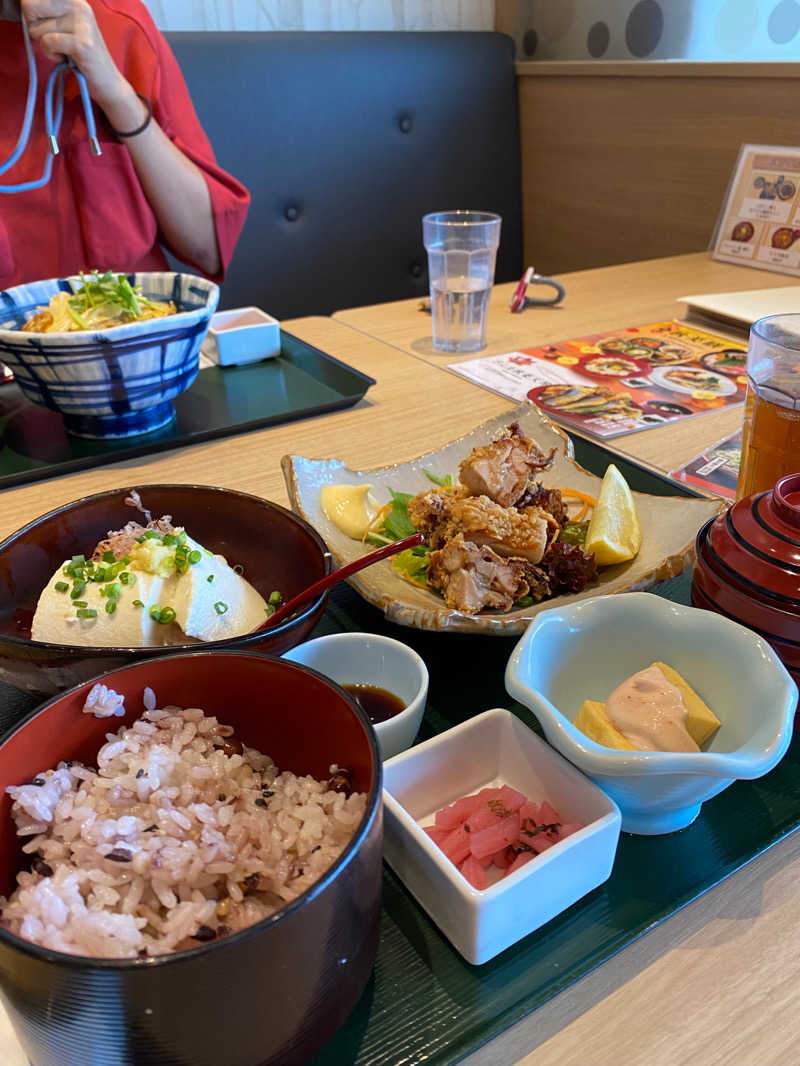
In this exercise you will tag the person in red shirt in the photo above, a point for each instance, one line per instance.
(156, 183)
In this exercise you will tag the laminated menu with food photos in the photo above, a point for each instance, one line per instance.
(609, 384)
(759, 224)
(716, 470)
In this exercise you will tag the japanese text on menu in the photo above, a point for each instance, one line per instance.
(760, 220)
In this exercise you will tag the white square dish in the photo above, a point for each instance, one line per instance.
(242, 335)
(492, 749)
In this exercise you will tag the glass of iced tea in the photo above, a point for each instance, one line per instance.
(771, 431)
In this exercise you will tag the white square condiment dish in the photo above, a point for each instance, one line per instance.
(584, 650)
(494, 748)
(242, 335)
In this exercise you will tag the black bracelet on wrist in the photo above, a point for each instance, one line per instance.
(144, 125)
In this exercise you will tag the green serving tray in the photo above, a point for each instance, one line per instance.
(424, 1003)
(222, 401)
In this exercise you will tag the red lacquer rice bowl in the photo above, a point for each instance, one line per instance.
(271, 993)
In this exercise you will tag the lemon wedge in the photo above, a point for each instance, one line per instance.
(614, 533)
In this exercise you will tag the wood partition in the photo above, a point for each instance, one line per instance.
(631, 160)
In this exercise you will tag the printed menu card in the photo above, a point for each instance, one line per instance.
(610, 384)
(759, 224)
(716, 470)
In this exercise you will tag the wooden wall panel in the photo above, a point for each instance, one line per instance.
(322, 14)
(626, 161)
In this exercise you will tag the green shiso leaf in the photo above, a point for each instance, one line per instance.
(412, 565)
(397, 524)
(445, 481)
(574, 533)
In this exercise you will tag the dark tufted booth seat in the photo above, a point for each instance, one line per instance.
(345, 140)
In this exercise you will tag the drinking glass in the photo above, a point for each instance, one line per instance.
(462, 248)
(771, 431)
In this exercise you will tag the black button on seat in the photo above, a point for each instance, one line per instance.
(291, 212)
(416, 270)
(405, 124)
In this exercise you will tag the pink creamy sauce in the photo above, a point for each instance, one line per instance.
(650, 713)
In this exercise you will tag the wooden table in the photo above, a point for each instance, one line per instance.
(400, 417)
(712, 985)
(597, 300)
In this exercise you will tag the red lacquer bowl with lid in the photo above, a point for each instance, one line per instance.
(748, 567)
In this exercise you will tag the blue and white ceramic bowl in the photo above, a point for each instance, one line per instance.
(114, 382)
(585, 649)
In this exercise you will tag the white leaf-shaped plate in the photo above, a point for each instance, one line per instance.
(669, 526)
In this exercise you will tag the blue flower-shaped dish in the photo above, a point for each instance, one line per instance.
(584, 650)
(115, 382)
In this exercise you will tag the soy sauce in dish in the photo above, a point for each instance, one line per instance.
(378, 704)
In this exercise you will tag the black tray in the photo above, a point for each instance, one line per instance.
(424, 1004)
(299, 382)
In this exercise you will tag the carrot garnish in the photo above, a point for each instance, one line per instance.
(590, 500)
(587, 501)
(411, 581)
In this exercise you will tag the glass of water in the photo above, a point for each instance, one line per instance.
(462, 248)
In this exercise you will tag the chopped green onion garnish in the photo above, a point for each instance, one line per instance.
(138, 603)
(61, 586)
(127, 578)
(195, 556)
(238, 569)
(155, 613)
(78, 560)
(150, 534)
(275, 597)
(210, 578)
(169, 539)
(109, 557)
(112, 591)
(86, 612)
(220, 607)
(77, 589)
(167, 615)
(111, 606)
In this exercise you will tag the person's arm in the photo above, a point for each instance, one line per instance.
(174, 186)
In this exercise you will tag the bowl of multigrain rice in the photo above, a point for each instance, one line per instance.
(190, 864)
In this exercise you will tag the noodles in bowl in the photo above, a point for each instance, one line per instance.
(99, 301)
(109, 352)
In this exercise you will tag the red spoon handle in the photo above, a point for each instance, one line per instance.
(336, 576)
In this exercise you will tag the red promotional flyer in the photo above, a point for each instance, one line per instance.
(609, 384)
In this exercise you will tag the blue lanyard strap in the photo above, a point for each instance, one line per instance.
(53, 90)
(30, 103)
